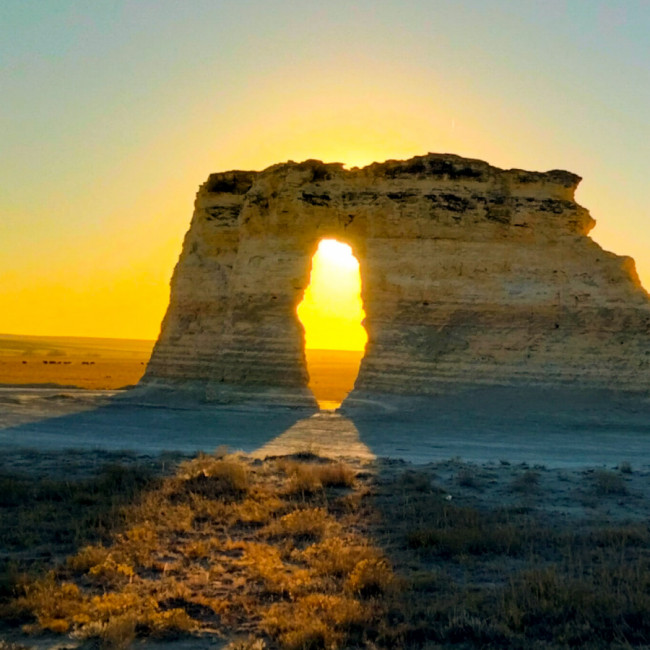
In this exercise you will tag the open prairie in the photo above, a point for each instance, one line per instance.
(482, 519)
(102, 363)
(332, 374)
(95, 363)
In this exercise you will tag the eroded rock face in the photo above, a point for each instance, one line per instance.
(470, 275)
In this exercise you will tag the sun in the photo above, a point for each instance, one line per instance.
(332, 311)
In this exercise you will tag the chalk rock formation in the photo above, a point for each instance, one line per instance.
(470, 275)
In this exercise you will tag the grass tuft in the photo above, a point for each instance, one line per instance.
(309, 478)
(225, 478)
(607, 483)
(314, 621)
(467, 478)
(306, 524)
(526, 483)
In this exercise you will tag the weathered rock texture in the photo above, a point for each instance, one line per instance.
(471, 275)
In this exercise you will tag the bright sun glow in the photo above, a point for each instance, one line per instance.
(331, 310)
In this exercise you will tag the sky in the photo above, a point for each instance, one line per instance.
(112, 113)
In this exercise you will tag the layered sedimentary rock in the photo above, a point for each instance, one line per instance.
(470, 275)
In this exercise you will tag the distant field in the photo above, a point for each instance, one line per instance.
(95, 363)
(332, 374)
(112, 363)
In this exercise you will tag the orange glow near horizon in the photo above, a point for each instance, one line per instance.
(331, 310)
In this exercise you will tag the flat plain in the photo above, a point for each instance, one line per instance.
(108, 364)
(488, 520)
(93, 363)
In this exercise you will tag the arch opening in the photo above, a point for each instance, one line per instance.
(332, 313)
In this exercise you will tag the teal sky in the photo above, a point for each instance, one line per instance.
(113, 113)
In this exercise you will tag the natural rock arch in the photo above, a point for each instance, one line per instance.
(470, 275)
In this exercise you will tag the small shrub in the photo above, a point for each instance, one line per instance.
(465, 538)
(55, 606)
(467, 478)
(13, 490)
(338, 556)
(265, 564)
(371, 577)
(196, 549)
(464, 628)
(303, 480)
(87, 558)
(309, 523)
(139, 542)
(179, 518)
(314, 621)
(526, 483)
(169, 623)
(625, 467)
(258, 510)
(308, 478)
(9, 577)
(115, 478)
(337, 475)
(215, 478)
(119, 631)
(417, 481)
(633, 535)
(111, 572)
(607, 483)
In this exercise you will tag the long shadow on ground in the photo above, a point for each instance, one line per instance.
(121, 425)
(559, 427)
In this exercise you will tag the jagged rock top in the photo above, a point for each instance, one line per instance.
(437, 166)
(471, 275)
(441, 188)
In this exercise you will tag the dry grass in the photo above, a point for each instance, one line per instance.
(499, 577)
(207, 548)
(308, 478)
(303, 524)
(316, 621)
(625, 467)
(339, 556)
(213, 478)
(45, 518)
(526, 483)
(467, 478)
(348, 560)
(607, 483)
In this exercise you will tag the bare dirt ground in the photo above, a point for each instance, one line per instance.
(556, 428)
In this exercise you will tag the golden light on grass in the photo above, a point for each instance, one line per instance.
(332, 314)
